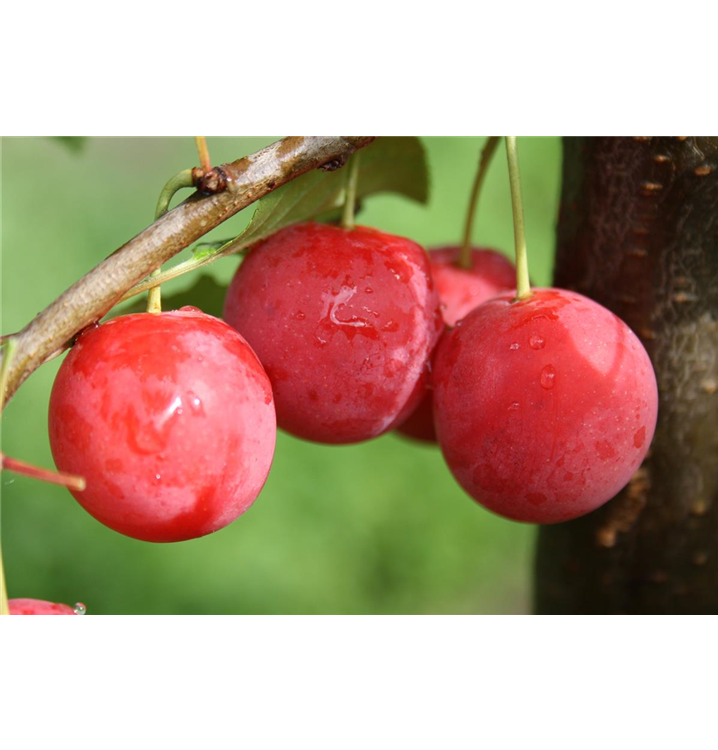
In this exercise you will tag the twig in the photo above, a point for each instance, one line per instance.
(248, 180)
(71, 481)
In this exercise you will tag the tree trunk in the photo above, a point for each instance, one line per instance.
(638, 232)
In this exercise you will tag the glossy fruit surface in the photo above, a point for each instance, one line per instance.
(169, 418)
(344, 323)
(38, 606)
(544, 407)
(463, 289)
(460, 291)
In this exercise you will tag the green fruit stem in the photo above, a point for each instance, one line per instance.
(523, 285)
(204, 161)
(183, 179)
(351, 193)
(487, 153)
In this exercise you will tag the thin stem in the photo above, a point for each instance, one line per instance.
(184, 267)
(183, 179)
(154, 296)
(523, 285)
(351, 193)
(204, 160)
(487, 153)
(70, 481)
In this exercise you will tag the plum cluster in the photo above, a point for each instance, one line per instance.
(543, 407)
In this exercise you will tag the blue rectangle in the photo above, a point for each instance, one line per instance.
(626, 682)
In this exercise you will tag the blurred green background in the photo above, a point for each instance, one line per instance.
(374, 528)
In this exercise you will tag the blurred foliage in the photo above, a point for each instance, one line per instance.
(379, 527)
(73, 142)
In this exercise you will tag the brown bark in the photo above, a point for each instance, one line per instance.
(248, 179)
(638, 232)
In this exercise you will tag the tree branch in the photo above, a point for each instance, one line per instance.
(248, 180)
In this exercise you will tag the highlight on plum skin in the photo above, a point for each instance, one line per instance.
(169, 418)
(460, 291)
(544, 407)
(344, 321)
(41, 607)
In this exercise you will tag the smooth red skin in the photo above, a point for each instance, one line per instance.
(169, 418)
(460, 291)
(547, 433)
(38, 607)
(344, 323)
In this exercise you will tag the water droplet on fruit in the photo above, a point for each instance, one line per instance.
(390, 326)
(189, 308)
(195, 402)
(514, 405)
(86, 330)
(300, 315)
(158, 477)
(548, 377)
(537, 342)
(514, 346)
(396, 274)
(79, 608)
(369, 290)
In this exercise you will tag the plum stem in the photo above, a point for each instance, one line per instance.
(487, 153)
(184, 179)
(523, 285)
(44, 475)
(351, 193)
(204, 160)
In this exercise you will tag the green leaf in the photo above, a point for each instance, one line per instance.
(203, 250)
(389, 164)
(205, 293)
(73, 143)
(394, 165)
